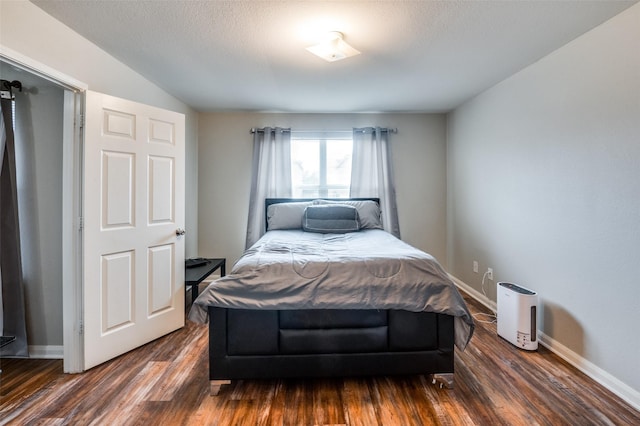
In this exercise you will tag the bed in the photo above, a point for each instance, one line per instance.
(326, 292)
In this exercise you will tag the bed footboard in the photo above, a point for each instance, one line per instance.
(254, 344)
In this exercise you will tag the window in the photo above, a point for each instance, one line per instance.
(321, 164)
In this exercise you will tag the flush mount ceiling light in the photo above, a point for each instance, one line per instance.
(333, 48)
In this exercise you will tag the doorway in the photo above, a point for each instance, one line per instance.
(47, 112)
(39, 164)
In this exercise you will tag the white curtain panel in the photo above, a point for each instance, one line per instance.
(372, 173)
(271, 175)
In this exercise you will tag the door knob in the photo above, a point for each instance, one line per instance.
(180, 232)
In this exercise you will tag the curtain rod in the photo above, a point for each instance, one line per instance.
(387, 129)
(254, 130)
(391, 129)
(7, 86)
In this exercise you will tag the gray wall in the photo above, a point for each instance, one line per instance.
(544, 186)
(225, 155)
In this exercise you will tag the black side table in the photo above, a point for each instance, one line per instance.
(195, 275)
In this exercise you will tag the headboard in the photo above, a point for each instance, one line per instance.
(269, 201)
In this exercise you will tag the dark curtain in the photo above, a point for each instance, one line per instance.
(14, 333)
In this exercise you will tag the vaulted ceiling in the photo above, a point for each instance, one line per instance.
(417, 56)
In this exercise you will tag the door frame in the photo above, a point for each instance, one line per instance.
(71, 202)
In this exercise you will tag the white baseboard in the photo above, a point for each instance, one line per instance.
(46, 352)
(621, 389)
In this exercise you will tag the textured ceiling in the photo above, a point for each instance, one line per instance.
(419, 56)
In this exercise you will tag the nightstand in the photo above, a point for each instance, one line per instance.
(193, 276)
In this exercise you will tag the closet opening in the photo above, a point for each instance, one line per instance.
(47, 168)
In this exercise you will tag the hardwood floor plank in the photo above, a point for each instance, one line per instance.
(357, 403)
(122, 410)
(16, 387)
(244, 412)
(43, 371)
(392, 405)
(49, 422)
(327, 402)
(178, 371)
(208, 412)
(420, 407)
(252, 399)
(445, 409)
(278, 405)
(40, 403)
(297, 402)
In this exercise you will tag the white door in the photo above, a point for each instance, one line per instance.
(133, 284)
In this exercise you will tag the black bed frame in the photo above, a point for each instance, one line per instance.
(268, 344)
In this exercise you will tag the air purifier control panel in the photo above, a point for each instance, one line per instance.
(523, 339)
(517, 288)
(517, 315)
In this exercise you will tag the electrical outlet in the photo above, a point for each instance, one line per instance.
(475, 266)
(490, 273)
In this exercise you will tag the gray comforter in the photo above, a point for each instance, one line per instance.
(370, 269)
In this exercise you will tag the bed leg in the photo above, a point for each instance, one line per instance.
(215, 386)
(442, 380)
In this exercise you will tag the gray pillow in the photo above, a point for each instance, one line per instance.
(286, 215)
(330, 219)
(368, 211)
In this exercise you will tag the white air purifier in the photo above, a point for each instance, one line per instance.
(517, 315)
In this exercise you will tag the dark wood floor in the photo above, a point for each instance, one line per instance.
(166, 383)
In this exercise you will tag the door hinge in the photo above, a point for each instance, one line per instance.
(80, 223)
(81, 328)
(81, 121)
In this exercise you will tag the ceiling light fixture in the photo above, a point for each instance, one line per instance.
(333, 48)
